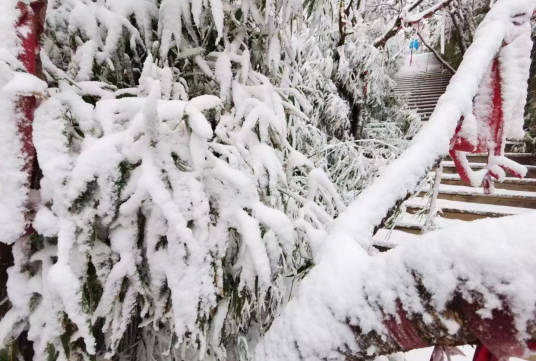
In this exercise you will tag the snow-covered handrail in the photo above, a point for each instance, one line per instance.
(405, 18)
(347, 287)
(432, 143)
(354, 307)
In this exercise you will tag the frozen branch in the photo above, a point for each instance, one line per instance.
(415, 18)
(404, 19)
(438, 57)
(459, 32)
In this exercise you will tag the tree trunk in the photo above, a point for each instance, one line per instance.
(356, 128)
(459, 33)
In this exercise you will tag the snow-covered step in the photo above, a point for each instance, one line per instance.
(424, 113)
(425, 117)
(420, 80)
(435, 79)
(414, 223)
(424, 76)
(449, 168)
(464, 211)
(416, 106)
(409, 228)
(510, 183)
(428, 76)
(421, 98)
(421, 94)
(421, 87)
(404, 86)
(416, 102)
(501, 197)
(431, 104)
(424, 110)
(429, 91)
(423, 84)
(521, 158)
(390, 238)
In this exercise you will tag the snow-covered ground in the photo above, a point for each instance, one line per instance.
(421, 63)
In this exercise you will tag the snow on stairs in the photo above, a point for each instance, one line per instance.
(456, 201)
(422, 82)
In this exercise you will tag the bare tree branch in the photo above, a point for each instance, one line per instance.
(412, 19)
(441, 60)
(459, 33)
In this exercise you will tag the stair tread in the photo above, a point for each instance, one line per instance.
(424, 92)
(388, 238)
(421, 86)
(512, 180)
(416, 222)
(450, 164)
(467, 207)
(419, 77)
(417, 101)
(478, 191)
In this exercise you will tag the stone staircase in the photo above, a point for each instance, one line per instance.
(423, 83)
